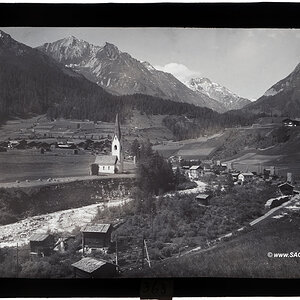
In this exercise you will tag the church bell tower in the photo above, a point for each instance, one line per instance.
(116, 146)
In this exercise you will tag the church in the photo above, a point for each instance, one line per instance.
(111, 164)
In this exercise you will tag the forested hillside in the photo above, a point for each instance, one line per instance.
(33, 83)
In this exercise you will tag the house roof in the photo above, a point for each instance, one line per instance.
(89, 264)
(38, 237)
(247, 174)
(202, 196)
(195, 167)
(185, 167)
(106, 159)
(99, 228)
(285, 183)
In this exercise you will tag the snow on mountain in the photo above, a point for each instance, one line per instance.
(217, 92)
(272, 92)
(148, 66)
(121, 74)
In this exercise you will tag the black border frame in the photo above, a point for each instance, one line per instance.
(229, 15)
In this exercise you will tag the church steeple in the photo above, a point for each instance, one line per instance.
(116, 146)
(117, 128)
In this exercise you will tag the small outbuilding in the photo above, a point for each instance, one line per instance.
(41, 244)
(286, 188)
(97, 235)
(89, 267)
(203, 199)
(195, 172)
(245, 177)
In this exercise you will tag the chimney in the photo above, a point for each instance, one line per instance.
(289, 177)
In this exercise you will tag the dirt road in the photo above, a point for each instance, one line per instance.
(53, 181)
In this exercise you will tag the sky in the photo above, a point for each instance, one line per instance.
(247, 61)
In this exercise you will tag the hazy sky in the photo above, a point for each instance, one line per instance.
(247, 61)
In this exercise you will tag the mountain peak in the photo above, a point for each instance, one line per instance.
(217, 92)
(71, 40)
(110, 46)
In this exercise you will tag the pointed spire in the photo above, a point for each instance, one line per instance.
(118, 128)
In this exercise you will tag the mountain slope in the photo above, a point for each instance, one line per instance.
(121, 74)
(219, 93)
(283, 98)
(32, 82)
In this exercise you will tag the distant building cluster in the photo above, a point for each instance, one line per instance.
(291, 123)
(197, 170)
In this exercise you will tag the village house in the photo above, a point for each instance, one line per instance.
(286, 188)
(195, 172)
(96, 236)
(207, 167)
(290, 123)
(269, 172)
(12, 144)
(274, 202)
(235, 176)
(203, 199)
(41, 244)
(185, 170)
(245, 177)
(89, 267)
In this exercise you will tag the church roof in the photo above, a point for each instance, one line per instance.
(117, 128)
(106, 159)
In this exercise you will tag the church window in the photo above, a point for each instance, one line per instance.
(116, 147)
(108, 167)
(103, 167)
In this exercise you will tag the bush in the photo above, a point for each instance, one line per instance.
(187, 185)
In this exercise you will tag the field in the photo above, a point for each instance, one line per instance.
(284, 156)
(21, 165)
(199, 148)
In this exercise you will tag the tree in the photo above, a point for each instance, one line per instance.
(154, 173)
(135, 148)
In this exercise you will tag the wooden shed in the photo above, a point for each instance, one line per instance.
(97, 235)
(286, 188)
(41, 244)
(89, 267)
(203, 199)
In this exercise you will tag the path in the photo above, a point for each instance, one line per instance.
(295, 205)
(273, 210)
(53, 181)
